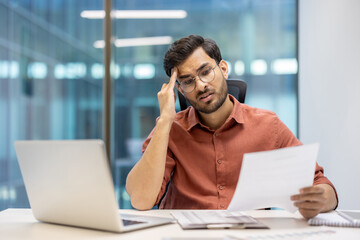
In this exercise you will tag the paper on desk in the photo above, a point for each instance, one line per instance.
(268, 179)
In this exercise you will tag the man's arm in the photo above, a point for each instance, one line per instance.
(315, 199)
(144, 181)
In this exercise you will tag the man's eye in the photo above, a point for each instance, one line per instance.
(187, 82)
(205, 72)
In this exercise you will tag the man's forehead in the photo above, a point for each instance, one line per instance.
(197, 59)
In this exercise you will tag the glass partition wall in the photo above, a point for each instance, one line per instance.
(257, 39)
(52, 70)
(50, 85)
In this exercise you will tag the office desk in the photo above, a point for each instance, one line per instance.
(20, 224)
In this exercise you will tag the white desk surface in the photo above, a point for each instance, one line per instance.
(20, 224)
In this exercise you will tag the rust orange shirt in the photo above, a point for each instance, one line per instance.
(203, 165)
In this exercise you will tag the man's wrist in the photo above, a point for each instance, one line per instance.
(330, 196)
(165, 120)
(164, 123)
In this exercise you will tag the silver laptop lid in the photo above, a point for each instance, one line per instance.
(55, 172)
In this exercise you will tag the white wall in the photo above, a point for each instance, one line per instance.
(329, 90)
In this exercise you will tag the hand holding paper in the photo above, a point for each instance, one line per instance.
(315, 199)
(270, 178)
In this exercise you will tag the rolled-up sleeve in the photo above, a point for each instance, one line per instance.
(319, 178)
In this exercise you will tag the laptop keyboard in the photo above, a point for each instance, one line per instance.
(130, 222)
(212, 216)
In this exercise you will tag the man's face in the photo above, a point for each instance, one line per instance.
(206, 97)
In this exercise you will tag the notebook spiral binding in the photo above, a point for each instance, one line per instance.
(317, 222)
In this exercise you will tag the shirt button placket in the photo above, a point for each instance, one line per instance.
(219, 153)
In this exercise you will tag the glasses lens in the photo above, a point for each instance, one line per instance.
(207, 74)
(187, 85)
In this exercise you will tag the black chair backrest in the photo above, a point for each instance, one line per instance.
(236, 87)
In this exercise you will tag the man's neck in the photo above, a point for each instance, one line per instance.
(216, 119)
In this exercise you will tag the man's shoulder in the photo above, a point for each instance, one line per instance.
(257, 116)
(250, 111)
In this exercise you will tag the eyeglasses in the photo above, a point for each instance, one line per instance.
(206, 75)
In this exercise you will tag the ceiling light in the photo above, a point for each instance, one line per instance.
(258, 67)
(239, 68)
(147, 41)
(133, 42)
(285, 66)
(136, 14)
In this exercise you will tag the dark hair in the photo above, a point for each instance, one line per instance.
(181, 49)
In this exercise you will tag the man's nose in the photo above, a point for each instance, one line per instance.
(200, 85)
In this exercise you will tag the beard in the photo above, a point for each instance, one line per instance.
(211, 106)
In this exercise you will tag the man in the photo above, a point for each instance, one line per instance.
(199, 151)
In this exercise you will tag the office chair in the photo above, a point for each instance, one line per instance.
(236, 87)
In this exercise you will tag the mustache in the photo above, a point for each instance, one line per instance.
(202, 92)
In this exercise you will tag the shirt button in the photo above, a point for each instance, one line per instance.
(219, 161)
(222, 205)
(221, 187)
(216, 134)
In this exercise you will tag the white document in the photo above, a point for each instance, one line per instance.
(268, 179)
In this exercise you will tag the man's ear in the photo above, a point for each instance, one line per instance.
(224, 69)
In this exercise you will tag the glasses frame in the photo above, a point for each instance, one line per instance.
(198, 76)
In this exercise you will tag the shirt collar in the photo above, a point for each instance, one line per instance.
(236, 114)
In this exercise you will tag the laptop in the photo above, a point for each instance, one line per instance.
(69, 182)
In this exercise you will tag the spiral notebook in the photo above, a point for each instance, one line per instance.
(337, 219)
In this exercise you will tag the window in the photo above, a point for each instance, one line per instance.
(46, 88)
(256, 38)
(51, 70)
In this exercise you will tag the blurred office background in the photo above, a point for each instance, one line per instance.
(52, 70)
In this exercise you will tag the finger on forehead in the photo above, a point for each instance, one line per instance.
(173, 77)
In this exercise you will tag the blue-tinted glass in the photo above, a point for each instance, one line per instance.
(47, 88)
(51, 71)
(257, 39)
